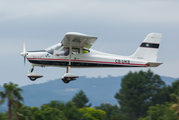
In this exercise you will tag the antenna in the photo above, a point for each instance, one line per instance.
(102, 48)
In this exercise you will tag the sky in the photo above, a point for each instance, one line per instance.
(120, 25)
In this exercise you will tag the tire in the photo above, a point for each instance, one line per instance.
(66, 81)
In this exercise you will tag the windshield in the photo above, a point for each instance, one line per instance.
(54, 47)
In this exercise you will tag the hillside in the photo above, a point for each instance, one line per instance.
(98, 90)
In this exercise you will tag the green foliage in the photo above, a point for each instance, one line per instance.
(80, 100)
(22, 113)
(87, 116)
(69, 109)
(92, 114)
(160, 112)
(71, 112)
(56, 104)
(3, 116)
(111, 110)
(139, 90)
(175, 106)
(142, 95)
(174, 88)
(49, 113)
(37, 113)
(12, 93)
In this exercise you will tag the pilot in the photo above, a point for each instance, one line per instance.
(66, 53)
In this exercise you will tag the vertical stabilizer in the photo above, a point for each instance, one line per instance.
(149, 48)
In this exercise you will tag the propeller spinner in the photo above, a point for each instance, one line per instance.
(24, 53)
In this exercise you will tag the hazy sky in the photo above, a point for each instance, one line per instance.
(120, 25)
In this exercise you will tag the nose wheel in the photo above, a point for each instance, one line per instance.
(33, 76)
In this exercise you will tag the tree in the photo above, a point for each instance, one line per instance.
(174, 88)
(3, 116)
(137, 93)
(92, 114)
(56, 104)
(37, 113)
(69, 109)
(175, 106)
(50, 113)
(80, 100)
(12, 93)
(160, 112)
(111, 110)
(22, 112)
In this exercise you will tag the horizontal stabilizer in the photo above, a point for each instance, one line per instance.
(153, 64)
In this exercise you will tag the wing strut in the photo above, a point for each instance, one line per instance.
(69, 64)
(69, 76)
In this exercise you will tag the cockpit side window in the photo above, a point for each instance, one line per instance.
(63, 51)
(57, 47)
(75, 51)
(54, 48)
(50, 51)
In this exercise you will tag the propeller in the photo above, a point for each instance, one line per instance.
(24, 53)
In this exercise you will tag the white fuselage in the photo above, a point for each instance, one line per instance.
(83, 60)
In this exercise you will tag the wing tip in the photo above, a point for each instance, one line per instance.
(79, 34)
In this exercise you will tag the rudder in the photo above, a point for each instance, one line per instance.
(149, 48)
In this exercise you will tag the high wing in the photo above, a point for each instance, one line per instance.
(78, 40)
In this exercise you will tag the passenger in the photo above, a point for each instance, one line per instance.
(66, 53)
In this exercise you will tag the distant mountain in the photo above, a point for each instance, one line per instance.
(4, 106)
(98, 90)
(168, 80)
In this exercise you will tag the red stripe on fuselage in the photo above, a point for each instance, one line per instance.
(49, 59)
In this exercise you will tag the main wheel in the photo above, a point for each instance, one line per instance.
(66, 81)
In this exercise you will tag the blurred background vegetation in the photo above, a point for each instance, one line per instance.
(142, 96)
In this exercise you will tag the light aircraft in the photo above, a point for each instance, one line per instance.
(74, 52)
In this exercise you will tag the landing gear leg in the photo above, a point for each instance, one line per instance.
(68, 76)
(31, 70)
